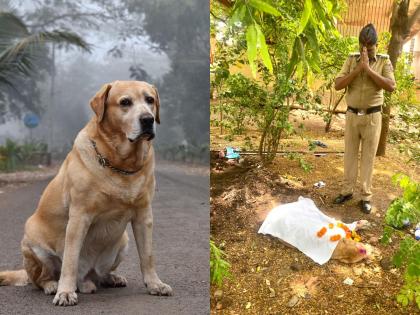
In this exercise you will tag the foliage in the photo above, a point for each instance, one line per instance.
(316, 19)
(407, 207)
(18, 46)
(219, 268)
(14, 156)
(408, 257)
(244, 97)
(306, 166)
(23, 54)
(333, 53)
(248, 14)
(406, 131)
(293, 34)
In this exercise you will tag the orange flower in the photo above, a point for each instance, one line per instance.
(321, 232)
(330, 225)
(335, 237)
(344, 227)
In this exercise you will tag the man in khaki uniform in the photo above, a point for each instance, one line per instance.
(365, 75)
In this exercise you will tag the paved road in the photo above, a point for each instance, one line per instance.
(181, 233)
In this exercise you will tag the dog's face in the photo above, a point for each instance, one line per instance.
(350, 251)
(128, 107)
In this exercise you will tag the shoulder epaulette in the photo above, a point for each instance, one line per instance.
(383, 56)
(355, 54)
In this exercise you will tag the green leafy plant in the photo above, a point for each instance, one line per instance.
(406, 129)
(14, 156)
(306, 166)
(245, 98)
(249, 14)
(219, 267)
(17, 46)
(407, 257)
(407, 207)
(9, 153)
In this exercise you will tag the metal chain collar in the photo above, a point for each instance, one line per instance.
(104, 162)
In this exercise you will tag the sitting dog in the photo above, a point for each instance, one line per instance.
(77, 236)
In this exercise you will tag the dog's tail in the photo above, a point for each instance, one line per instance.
(14, 277)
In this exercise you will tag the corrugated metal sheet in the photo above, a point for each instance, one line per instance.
(362, 12)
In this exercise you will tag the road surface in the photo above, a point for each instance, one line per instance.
(181, 233)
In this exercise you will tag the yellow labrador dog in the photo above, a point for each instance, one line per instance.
(77, 236)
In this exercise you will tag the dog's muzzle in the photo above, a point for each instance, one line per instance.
(147, 128)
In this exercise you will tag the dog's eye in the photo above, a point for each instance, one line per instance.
(125, 102)
(150, 99)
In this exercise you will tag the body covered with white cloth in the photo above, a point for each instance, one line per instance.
(320, 237)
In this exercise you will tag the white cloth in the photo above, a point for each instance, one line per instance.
(297, 223)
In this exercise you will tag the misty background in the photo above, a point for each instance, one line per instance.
(164, 42)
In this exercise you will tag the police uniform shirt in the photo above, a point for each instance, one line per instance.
(363, 92)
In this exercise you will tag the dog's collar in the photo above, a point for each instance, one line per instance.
(104, 162)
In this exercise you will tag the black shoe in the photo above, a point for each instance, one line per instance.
(365, 206)
(342, 198)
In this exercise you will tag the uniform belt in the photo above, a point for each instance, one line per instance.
(359, 111)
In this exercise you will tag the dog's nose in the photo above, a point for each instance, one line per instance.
(147, 120)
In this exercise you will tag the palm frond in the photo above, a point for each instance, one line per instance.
(5, 80)
(20, 57)
(11, 26)
(31, 41)
(20, 50)
(62, 37)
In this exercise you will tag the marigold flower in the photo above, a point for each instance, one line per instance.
(345, 228)
(335, 237)
(321, 232)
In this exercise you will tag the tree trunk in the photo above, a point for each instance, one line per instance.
(400, 30)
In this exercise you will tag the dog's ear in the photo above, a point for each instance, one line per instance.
(157, 118)
(99, 100)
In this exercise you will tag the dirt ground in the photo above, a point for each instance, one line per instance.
(270, 278)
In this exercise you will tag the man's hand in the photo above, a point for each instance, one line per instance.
(364, 61)
(363, 65)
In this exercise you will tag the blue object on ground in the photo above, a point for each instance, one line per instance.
(231, 153)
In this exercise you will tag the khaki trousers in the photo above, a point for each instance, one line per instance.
(364, 130)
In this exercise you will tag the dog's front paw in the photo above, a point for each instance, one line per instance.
(65, 298)
(158, 288)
